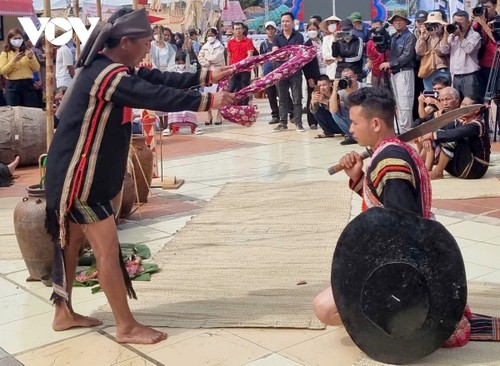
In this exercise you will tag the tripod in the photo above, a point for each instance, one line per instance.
(492, 89)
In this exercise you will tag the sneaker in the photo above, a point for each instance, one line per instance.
(198, 132)
(166, 132)
(348, 141)
(274, 121)
(300, 129)
(280, 127)
(313, 127)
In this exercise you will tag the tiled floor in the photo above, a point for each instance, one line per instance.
(222, 154)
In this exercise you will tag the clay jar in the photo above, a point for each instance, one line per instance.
(128, 196)
(142, 158)
(34, 242)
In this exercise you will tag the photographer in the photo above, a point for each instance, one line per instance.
(319, 108)
(483, 15)
(348, 49)
(433, 62)
(377, 50)
(462, 43)
(428, 102)
(339, 108)
(402, 64)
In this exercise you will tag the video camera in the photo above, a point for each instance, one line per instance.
(381, 38)
(344, 83)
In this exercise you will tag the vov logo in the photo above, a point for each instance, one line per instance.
(48, 26)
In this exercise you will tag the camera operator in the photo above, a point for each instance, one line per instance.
(428, 102)
(377, 50)
(319, 107)
(342, 87)
(348, 49)
(433, 62)
(402, 64)
(483, 14)
(462, 43)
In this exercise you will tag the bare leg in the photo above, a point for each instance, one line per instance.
(429, 158)
(103, 238)
(65, 317)
(437, 172)
(325, 308)
(12, 166)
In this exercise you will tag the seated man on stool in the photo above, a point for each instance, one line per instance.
(319, 108)
(338, 102)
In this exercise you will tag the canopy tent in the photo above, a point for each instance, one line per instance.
(61, 4)
(16, 8)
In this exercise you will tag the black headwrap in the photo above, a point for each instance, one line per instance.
(132, 25)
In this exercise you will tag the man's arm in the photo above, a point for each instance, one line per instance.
(445, 44)
(472, 43)
(333, 104)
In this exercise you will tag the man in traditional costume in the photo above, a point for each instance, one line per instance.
(87, 160)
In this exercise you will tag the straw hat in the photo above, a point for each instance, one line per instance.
(324, 24)
(435, 17)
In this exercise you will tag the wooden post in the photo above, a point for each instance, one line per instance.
(98, 8)
(49, 81)
(76, 7)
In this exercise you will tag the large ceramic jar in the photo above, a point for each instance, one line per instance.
(142, 158)
(34, 242)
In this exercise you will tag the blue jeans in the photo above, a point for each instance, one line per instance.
(440, 72)
(325, 121)
(342, 121)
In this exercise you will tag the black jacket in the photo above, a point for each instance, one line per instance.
(351, 53)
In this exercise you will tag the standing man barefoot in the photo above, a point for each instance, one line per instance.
(87, 160)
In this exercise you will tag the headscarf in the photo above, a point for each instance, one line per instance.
(132, 25)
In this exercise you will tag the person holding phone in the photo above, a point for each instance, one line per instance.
(17, 65)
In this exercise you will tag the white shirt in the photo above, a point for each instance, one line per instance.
(64, 58)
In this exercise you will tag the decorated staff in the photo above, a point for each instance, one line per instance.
(87, 159)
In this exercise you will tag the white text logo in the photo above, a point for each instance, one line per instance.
(48, 26)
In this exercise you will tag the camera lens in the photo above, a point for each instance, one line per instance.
(430, 28)
(344, 83)
(478, 11)
(451, 28)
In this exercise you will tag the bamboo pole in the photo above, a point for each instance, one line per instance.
(135, 4)
(49, 81)
(98, 8)
(76, 7)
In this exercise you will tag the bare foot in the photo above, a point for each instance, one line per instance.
(64, 320)
(435, 175)
(140, 334)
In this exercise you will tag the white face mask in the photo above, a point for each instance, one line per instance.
(211, 39)
(156, 37)
(312, 34)
(16, 42)
(331, 28)
(181, 66)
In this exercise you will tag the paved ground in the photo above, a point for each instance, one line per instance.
(223, 154)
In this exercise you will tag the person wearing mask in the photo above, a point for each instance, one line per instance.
(338, 103)
(211, 57)
(314, 68)
(376, 58)
(239, 48)
(168, 37)
(348, 50)
(288, 37)
(329, 26)
(402, 65)
(17, 65)
(463, 46)
(427, 47)
(319, 108)
(178, 40)
(360, 29)
(162, 52)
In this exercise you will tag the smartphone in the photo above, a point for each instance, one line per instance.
(316, 88)
(431, 94)
(22, 48)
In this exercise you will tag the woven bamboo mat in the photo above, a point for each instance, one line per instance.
(239, 263)
(450, 188)
(483, 298)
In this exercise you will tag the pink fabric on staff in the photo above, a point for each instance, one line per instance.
(295, 58)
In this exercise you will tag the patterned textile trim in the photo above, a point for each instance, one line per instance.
(206, 102)
(388, 165)
(357, 186)
(205, 77)
(295, 58)
(84, 213)
(460, 336)
(425, 185)
(484, 328)
(76, 169)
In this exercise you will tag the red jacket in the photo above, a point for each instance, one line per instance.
(376, 57)
(488, 48)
